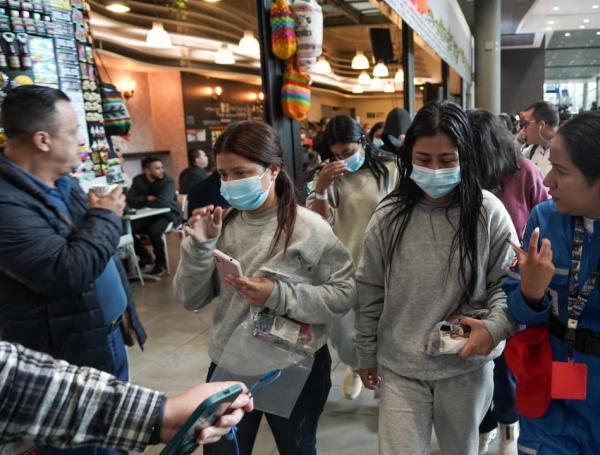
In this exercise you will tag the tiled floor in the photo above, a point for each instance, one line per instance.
(175, 358)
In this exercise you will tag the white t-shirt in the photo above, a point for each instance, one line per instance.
(540, 157)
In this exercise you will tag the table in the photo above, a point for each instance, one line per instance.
(144, 212)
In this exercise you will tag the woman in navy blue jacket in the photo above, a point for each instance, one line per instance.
(557, 286)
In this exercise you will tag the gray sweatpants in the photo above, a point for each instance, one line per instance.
(455, 407)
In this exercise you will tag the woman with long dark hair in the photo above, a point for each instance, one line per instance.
(435, 250)
(346, 191)
(556, 293)
(518, 183)
(265, 231)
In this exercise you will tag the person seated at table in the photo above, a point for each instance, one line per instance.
(195, 172)
(153, 188)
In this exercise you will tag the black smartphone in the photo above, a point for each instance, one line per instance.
(209, 411)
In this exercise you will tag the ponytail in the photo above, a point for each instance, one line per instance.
(287, 209)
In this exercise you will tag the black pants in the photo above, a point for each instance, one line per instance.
(154, 227)
(296, 435)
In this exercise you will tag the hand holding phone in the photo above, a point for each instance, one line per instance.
(226, 265)
(185, 424)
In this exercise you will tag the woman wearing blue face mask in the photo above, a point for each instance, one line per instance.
(265, 230)
(435, 249)
(346, 192)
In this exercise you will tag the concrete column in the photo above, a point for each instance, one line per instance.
(487, 55)
(597, 90)
(584, 102)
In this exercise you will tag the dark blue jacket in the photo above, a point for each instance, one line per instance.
(48, 266)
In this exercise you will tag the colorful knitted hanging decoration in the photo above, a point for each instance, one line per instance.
(283, 33)
(295, 93)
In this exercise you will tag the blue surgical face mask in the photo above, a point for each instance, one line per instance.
(355, 162)
(378, 142)
(436, 183)
(245, 194)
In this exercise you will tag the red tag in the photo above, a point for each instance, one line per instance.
(569, 381)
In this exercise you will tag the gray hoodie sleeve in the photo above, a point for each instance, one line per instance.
(195, 283)
(499, 323)
(370, 282)
(319, 304)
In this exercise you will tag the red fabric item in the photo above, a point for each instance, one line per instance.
(528, 354)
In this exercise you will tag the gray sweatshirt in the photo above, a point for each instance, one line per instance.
(315, 281)
(352, 201)
(394, 317)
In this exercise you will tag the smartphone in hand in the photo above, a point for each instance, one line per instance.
(210, 410)
(226, 265)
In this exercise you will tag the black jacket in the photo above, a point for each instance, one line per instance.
(163, 189)
(207, 192)
(189, 177)
(48, 267)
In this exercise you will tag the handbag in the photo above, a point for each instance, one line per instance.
(116, 116)
(283, 33)
(295, 92)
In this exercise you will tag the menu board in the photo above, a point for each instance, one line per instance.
(47, 42)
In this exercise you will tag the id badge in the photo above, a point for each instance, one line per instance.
(569, 381)
(285, 329)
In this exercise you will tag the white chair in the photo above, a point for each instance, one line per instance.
(126, 245)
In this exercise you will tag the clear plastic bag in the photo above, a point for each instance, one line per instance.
(299, 336)
(247, 358)
(448, 337)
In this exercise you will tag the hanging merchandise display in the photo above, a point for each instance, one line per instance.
(308, 17)
(116, 117)
(283, 34)
(295, 93)
(47, 42)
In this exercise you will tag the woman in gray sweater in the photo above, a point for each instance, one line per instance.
(435, 249)
(270, 235)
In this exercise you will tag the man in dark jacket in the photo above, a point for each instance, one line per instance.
(62, 289)
(195, 172)
(152, 188)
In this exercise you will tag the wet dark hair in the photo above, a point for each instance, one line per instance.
(373, 130)
(543, 110)
(343, 129)
(146, 162)
(258, 142)
(449, 119)
(582, 138)
(30, 108)
(495, 152)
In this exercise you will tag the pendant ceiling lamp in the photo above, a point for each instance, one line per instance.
(224, 55)
(322, 66)
(380, 70)
(376, 83)
(249, 44)
(118, 7)
(360, 61)
(364, 78)
(399, 76)
(358, 89)
(158, 36)
(389, 88)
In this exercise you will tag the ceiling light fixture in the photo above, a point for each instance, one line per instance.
(158, 36)
(249, 45)
(581, 26)
(358, 89)
(399, 76)
(585, 21)
(360, 61)
(364, 78)
(380, 70)
(551, 22)
(597, 33)
(548, 28)
(595, 6)
(322, 66)
(555, 8)
(568, 34)
(389, 88)
(224, 55)
(212, 1)
(118, 7)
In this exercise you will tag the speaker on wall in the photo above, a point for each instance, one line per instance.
(381, 43)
